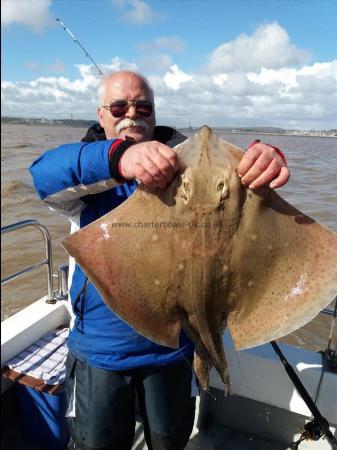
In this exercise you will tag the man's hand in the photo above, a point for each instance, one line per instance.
(262, 164)
(152, 163)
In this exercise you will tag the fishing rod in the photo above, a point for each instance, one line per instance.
(316, 428)
(101, 74)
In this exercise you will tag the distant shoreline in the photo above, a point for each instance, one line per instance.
(276, 134)
(270, 131)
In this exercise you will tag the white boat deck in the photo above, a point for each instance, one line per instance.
(266, 413)
(213, 437)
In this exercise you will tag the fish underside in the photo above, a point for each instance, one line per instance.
(207, 253)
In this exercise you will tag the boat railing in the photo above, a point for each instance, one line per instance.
(329, 312)
(52, 296)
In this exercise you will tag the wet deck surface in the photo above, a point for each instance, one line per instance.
(211, 437)
(215, 438)
(218, 438)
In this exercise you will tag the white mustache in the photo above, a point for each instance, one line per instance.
(127, 123)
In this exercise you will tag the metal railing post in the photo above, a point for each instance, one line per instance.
(48, 261)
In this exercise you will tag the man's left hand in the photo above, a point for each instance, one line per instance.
(261, 165)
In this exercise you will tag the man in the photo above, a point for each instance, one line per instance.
(108, 361)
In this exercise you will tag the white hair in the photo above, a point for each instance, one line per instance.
(102, 85)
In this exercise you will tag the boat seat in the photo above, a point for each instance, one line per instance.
(26, 380)
(41, 366)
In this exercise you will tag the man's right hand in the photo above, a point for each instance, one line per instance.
(152, 163)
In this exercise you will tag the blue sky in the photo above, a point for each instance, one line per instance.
(226, 63)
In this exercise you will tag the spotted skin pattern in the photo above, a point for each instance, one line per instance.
(207, 253)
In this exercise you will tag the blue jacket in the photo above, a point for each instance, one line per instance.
(75, 180)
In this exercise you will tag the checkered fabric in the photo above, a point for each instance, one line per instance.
(45, 359)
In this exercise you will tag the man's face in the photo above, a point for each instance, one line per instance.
(126, 86)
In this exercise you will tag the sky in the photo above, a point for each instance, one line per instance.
(221, 63)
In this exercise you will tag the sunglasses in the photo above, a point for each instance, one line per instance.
(120, 107)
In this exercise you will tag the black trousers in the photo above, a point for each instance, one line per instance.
(102, 405)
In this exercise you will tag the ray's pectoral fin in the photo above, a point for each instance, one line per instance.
(284, 267)
(132, 286)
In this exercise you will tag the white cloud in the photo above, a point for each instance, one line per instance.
(57, 97)
(171, 44)
(302, 96)
(305, 97)
(157, 54)
(34, 14)
(175, 77)
(269, 46)
(157, 61)
(137, 12)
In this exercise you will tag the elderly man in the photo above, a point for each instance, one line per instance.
(108, 362)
